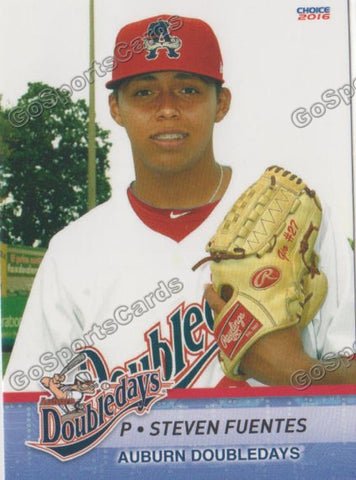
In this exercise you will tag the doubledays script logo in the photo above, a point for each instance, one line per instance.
(71, 425)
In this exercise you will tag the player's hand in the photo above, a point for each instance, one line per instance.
(273, 358)
(45, 381)
(216, 303)
(58, 379)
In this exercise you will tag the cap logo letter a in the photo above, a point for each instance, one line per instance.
(158, 37)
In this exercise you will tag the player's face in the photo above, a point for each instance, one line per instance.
(169, 118)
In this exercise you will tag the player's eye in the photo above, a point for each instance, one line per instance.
(143, 92)
(190, 90)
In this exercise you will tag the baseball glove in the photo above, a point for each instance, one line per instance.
(263, 259)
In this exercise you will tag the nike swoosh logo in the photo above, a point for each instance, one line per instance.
(177, 215)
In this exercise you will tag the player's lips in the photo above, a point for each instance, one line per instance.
(169, 138)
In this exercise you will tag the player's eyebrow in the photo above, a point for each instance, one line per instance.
(187, 75)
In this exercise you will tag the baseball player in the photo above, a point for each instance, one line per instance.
(70, 395)
(120, 277)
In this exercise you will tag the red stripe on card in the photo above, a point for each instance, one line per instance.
(23, 397)
(238, 390)
(248, 391)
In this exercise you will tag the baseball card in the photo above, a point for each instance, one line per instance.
(177, 239)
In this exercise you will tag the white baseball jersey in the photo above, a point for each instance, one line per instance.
(109, 281)
(73, 395)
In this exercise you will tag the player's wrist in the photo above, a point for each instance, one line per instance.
(274, 358)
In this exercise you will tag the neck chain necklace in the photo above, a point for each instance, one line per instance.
(219, 185)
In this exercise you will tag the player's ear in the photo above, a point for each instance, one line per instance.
(223, 104)
(114, 108)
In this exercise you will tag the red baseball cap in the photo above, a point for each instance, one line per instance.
(166, 42)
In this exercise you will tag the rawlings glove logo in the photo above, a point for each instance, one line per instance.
(235, 329)
(265, 277)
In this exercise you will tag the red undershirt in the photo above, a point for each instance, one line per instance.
(175, 223)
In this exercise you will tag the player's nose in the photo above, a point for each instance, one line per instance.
(167, 105)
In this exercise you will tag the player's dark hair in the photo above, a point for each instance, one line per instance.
(209, 80)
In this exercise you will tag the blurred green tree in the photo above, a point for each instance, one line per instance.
(44, 150)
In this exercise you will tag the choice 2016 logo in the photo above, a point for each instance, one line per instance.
(80, 415)
(314, 13)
